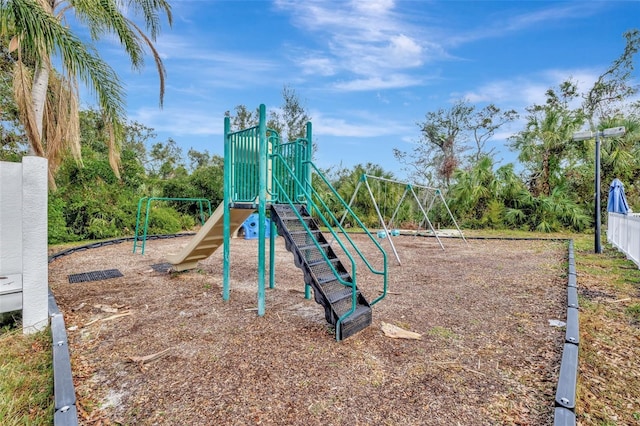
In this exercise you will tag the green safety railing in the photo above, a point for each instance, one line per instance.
(148, 209)
(292, 170)
(291, 186)
(242, 159)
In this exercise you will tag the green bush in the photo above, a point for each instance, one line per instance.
(100, 228)
(187, 222)
(58, 232)
(164, 220)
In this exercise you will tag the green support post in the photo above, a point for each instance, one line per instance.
(226, 224)
(148, 209)
(307, 160)
(308, 173)
(262, 198)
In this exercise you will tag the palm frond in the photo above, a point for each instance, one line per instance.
(149, 9)
(104, 17)
(162, 73)
(42, 35)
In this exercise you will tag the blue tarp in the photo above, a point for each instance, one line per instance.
(617, 201)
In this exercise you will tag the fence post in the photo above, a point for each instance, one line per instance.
(35, 275)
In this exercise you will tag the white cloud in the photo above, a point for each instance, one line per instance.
(358, 124)
(525, 90)
(500, 25)
(396, 81)
(363, 42)
(374, 7)
(178, 121)
(405, 52)
(318, 66)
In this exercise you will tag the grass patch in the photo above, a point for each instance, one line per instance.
(609, 362)
(442, 332)
(634, 312)
(26, 376)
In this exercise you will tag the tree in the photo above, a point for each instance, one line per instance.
(473, 194)
(198, 159)
(243, 118)
(483, 125)
(47, 99)
(13, 141)
(291, 120)
(606, 99)
(445, 137)
(545, 143)
(165, 160)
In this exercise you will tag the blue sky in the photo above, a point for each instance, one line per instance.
(366, 71)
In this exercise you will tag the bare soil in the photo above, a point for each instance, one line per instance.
(487, 354)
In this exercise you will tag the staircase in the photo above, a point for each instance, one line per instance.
(344, 306)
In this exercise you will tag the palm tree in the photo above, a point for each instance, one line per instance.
(47, 99)
(620, 155)
(544, 144)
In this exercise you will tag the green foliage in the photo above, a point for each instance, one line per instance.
(92, 203)
(164, 220)
(58, 232)
(101, 228)
(483, 198)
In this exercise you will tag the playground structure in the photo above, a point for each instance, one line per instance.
(265, 174)
(430, 195)
(250, 227)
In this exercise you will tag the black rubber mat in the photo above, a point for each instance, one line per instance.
(95, 276)
(162, 267)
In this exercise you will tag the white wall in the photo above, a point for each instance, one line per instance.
(23, 238)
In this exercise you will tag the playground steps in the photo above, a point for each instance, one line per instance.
(308, 247)
(208, 239)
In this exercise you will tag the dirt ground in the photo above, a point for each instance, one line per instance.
(487, 354)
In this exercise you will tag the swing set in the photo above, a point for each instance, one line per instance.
(411, 191)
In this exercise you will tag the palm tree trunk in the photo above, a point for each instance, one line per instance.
(39, 94)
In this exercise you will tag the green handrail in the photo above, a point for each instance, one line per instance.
(146, 219)
(307, 191)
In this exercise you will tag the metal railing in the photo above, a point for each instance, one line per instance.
(308, 195)
(242, 159)
(143, 237)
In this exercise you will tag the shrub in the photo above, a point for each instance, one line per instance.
(58, 232)
(164, 220)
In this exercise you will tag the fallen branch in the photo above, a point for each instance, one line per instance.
(619, 300)
(471, 370)
(396, 332)
(112, 317)
(148, 358)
